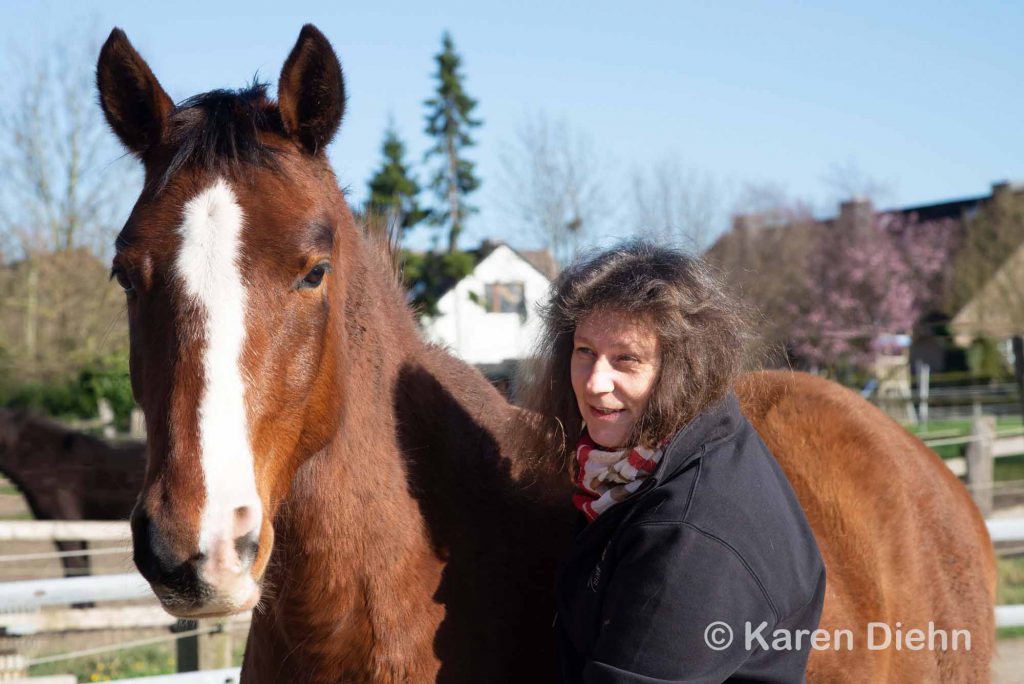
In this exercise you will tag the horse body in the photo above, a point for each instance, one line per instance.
(903, 543)
(371, 499)
(68, 475)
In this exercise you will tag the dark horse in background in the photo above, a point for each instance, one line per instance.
(310, 456)
(69, 475)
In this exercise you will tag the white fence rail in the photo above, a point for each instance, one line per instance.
(1001, 448)
(1006, 529)
(84, 619)
(64, 530)
(33, 594)
(230, 675)
(1010, 616)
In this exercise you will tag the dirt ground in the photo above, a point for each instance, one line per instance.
(1008, 665)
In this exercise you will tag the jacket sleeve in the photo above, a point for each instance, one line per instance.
(668, 584)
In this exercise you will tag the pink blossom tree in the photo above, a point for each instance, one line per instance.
(868, 284)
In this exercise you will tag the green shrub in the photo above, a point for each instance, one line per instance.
(102, 378)
(984, 359)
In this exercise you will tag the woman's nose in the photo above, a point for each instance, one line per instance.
(600, 379)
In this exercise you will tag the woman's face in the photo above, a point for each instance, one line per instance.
(615, 362)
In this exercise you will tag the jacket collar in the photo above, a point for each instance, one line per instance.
(715, 422)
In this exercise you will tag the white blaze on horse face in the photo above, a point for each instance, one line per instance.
(209, 266)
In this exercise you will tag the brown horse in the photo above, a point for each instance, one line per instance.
(312, 457)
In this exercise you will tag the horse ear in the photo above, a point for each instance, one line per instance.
(311, 91)
(135, 105)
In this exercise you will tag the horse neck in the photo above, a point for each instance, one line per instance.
(422, 434)
(405, 403)
(347, 533)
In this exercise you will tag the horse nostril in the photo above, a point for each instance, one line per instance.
(156, 566)
(142, 546)
(246, 547)
(245, 521)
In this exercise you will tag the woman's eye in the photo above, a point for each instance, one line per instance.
(314, 277)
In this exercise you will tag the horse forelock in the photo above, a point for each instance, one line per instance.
(222, 130)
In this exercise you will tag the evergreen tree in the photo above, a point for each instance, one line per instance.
(393, 189)
(449, 121)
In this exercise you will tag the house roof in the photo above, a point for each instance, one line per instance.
(541, 259)
(955, 209)
(997, 310)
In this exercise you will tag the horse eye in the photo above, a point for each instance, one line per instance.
(314, 277)
(123, 280)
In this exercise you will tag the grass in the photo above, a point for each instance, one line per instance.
(961, 427)
(142, 661)
(238, 640)
(949, 450)
(1009, 581)
(942, 429)
(1010, 633)
(1009, 590)
(1009, 468)
(20, 515)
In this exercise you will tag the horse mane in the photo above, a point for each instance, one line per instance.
(382, 237)
(222, 129)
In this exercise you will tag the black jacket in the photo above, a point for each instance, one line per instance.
(714, 535)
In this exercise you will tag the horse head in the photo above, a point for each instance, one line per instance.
(234, 263)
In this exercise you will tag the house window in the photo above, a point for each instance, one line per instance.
(504, 298)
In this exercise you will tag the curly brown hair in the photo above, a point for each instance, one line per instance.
(700, 329)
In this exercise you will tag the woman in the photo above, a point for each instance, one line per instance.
(693, 538)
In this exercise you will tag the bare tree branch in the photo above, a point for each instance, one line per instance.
(66, 181)
(676, 204)
(552, 185)
(847, 180)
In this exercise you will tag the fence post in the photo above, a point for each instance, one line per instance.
(187, 648)
(203, 651)
(106, 413)
(137, 426)
(1017, 344)
(13, 666)
(979, 457)
(923, 377)
(215, 647)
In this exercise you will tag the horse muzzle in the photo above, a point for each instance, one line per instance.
(212, 581)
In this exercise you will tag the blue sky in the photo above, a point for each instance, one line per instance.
(923, 96)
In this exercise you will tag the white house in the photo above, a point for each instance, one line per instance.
(489, 317)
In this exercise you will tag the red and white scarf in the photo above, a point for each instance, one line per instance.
(604, 478)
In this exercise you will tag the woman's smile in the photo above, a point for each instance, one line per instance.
(606, 414)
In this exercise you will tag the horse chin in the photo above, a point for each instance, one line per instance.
(215, 606)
